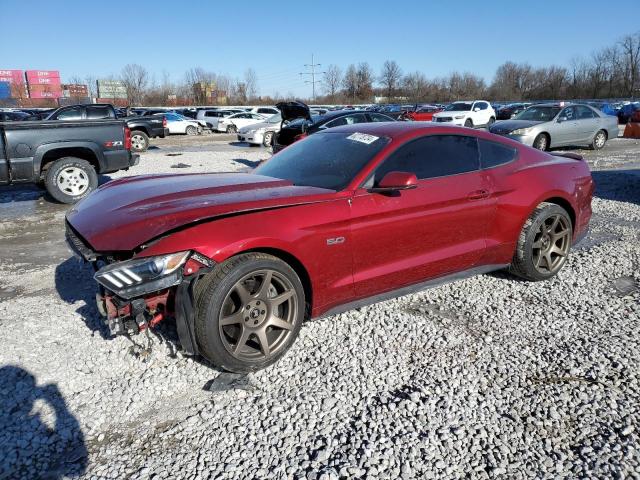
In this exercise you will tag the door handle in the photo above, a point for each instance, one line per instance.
(478, 195)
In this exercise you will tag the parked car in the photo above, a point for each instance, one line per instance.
(142, 128)
(627, 111)
(553, 125)
(346, 217)
(478, 113)
(509, 111)
(265, 111)
(65, 158)
(397, 111)
(302, 124)
(261, 133)
(12, 116)
(235, 122)
(422, 114)
(210, 117)
(604, 107)
(177, 124)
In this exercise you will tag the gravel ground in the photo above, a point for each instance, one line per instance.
(489, 377)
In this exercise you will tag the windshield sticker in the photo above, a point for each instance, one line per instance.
(363, 138)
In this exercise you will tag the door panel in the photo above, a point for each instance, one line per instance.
(418, 234)
(4, 171)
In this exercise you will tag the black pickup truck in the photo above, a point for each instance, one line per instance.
(65, 157)
(142, 128)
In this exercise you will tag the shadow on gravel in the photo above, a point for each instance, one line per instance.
(248, 163)
(29, 192)
(33, 444)
(75, 283)
(619, 185)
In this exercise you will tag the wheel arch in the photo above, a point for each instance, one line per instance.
(561, 202)
(46, 156)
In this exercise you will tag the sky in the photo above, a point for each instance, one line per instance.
(277, 38)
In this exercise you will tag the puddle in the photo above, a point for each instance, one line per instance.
(625, 286)
(8, 293)
(180, 165)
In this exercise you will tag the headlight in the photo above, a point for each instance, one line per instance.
(521, 131)
(139, 276)
(259, 130)
(459, 117)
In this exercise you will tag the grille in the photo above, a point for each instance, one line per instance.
(444, 119)
(77, 245)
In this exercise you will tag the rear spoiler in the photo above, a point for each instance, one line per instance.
(573, 156)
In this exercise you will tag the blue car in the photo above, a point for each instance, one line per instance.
(626, 111)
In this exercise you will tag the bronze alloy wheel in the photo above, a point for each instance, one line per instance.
(258, 315)
(551, 244)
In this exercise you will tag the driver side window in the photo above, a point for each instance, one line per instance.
(433, 156)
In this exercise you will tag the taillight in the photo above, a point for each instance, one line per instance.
(164, 122)
(299, 136)
(127, 138)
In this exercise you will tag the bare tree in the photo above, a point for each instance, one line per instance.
(251, 84)
(135, 79)
(630, 46)
(331, 81)
(92, 85)
(350, 82)
(364, 76)
(390, 78)
(416, 86)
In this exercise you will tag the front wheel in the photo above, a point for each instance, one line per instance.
(267, 139)
(70, 179)
(232, 129)
(249, 311)
(191, 130)
(541, 142)
(544, 243)
(491, 121)
(468, 123)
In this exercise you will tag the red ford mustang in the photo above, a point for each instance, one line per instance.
(348, 216)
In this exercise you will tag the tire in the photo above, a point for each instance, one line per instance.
(544, 243)
(70, 179)
(599, 140)
(492, 120)
(232, 129)
(139, 141)
(238, 344)
(267, 139)
(191, 130)
(541, 142)
(468, 123)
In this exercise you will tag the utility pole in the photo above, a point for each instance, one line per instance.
(313, 73)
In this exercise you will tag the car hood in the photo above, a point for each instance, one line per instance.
(123, 214)
(292, 110)
(450, 113)
(256, 126)
(506, 126)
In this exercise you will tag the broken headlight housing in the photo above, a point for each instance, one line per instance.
(140, 276)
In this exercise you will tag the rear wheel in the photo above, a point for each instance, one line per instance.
(599, 140)
(70, 179)
(544, 243)
(139, 141)
(541, 142)
(249, 311)
(232, 129)
(191, 130)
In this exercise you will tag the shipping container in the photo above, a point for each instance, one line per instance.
(45, 81)
(63, 102)
(45, 91)
(42, 74)
(13, 76)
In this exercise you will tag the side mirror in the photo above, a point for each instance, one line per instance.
(562, 119)
(395, 181)
(477, 109)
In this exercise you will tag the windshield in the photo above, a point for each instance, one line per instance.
(538, 114)
(458, 107)
(323, 160)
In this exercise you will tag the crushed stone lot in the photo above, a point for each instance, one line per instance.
(488, 377)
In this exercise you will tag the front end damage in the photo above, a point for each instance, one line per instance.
(137, 293)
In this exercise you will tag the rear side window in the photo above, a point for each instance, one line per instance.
(493, 154)
(74, 113)
(96, 113)
(433, 156)
(210, 114)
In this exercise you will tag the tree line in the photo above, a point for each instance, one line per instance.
(611, 72)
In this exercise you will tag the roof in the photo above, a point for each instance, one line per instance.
(397, 130)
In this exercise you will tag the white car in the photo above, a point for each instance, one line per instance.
(177, 124)
(210, 117)
(266, 111)
(235, 122)
(478, 113)
(261, 133)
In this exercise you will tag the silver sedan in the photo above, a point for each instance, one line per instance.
(547, 126)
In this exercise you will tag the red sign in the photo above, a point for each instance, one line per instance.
(42, 74)
(11, 76)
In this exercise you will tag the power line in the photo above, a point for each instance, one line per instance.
(313, 73)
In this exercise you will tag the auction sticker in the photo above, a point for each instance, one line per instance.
(363, 138)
